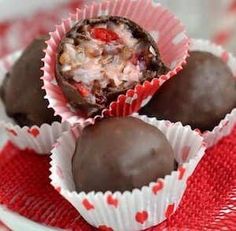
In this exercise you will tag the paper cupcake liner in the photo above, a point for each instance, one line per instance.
(5, 65)
(227, 124)
(141, 208)
(167, 31)
(40, 139)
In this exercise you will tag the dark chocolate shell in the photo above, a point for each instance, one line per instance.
(143, 57)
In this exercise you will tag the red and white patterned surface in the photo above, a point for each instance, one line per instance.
(208, 204)
(17, 33)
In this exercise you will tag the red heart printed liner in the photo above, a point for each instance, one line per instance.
(171, 37)
(210, 193)
(112, 201)
(34, 131)
(141, 217)
(87, 204)
(157, 187)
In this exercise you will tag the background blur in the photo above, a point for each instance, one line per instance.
(21, 21)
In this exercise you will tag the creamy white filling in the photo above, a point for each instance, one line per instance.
(106, 62)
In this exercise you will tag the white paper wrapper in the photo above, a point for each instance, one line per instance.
(5, 65)
(166, 30)
(40, 139)
(141, 208)
(227, 124)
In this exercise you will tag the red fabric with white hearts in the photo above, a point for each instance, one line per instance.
(209, 202)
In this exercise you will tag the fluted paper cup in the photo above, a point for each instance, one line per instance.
(40, 139)
(137, 209)
(167, 31)
(226, 125)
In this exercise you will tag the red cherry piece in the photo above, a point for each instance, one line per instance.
(104, 228)
(169, 210)
(157, 187)
(13, 132)
(104, 34)
(141, 217)
(82, 89)
(181, 172)
(33, 131)
(112, 201)
(87, 204)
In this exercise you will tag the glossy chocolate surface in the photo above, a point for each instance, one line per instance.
(120, 154)
(21, 90)
(200, 95)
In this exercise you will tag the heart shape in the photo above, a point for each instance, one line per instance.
(87, 204)
(157, 187)
(181, 172)
(33, 131)
(104, 228)
(141, 217)
(169, 210)
(112, 201)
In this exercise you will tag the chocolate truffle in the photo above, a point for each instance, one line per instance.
(119, 154)
(21, 91)
(103, 57)
(200, 95)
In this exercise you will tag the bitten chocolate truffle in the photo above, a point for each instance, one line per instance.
(200, 95)
(119, 154)
(21, 91)
(103, 57)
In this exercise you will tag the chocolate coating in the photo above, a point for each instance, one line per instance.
(200, 95)
(21, 90)
(90, 98)
(119, 154)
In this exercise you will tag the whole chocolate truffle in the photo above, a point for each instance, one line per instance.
(21, 91)
(103, 57)
(200, 95)
(119, 154)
